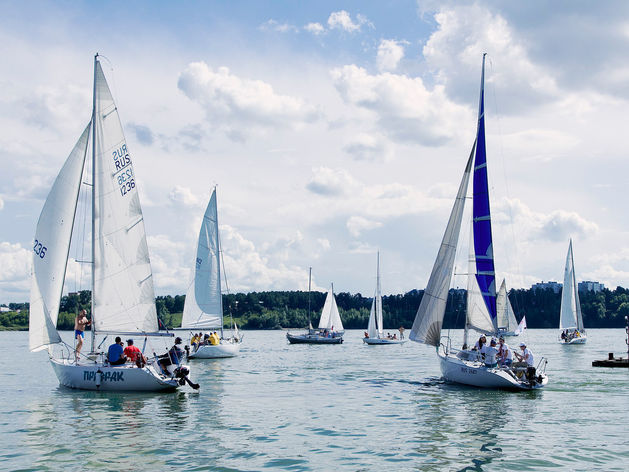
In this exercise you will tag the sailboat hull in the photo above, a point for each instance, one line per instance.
(217, 351)
(580, 340)
(312, 339)
(380, 341)
(477, 374)
(125, 378)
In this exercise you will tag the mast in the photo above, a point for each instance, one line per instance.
(309, 280)
(93, 330)
(218, 248)
(378, 298)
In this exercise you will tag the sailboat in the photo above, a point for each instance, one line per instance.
(123, 299)
(570, 318)
(330, 330)
(375, 329)
(203, 308)
(506, 320)
(462, 366)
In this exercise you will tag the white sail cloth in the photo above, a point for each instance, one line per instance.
(204, 307)
(505, 315)
(124, 299)
(330, 317)
(51, 247)
(477, 315)
(570, 305)
(429, 318)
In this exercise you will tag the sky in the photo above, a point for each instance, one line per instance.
(332, 130)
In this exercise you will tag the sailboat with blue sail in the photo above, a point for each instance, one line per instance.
(465, 366)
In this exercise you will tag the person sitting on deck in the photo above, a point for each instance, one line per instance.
(490, 354)
(175, 355)
(526, 358)
(115, 354)
(505, 355)
(366, 335)
(134, 354)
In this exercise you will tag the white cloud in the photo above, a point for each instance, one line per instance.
(236, 104)
(560, 225)
(171, 269)
(368, 147)
(390, 53)
(273, 25)
(324, 243)
(1, 203)
(356, 225)
(405, 109)
(343, 21)
(315, 28)
(184, 196)
(331, 182)
(15, 262)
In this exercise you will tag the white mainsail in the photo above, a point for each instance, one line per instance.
(372, 331)
(427, 325)
(123, 295)
(570, 305)
(204, 308)
(378, 300)
(330, 317)
(51, 248)
(506, 316)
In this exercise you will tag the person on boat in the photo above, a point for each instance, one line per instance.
(505, 355)
(134, 354)
(366, 335)
(394, 336)
(194, 341)
(490, 354)
(526, 358)
(563, 335)
(214, 339)
(115, 354)
(401, 330)
(80, 322)
(174, 356)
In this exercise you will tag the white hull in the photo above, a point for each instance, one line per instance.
(378, 341)
(208, 351)
(580, 340)
(124, 378)
(477, 374)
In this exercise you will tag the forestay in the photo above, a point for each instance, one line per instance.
(124, 299)
(429, 318)
(203, 308)
(51, 248)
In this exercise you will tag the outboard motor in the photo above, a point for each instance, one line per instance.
(181, 373)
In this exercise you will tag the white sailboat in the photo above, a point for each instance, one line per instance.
(570, 318)
(123, 299)
(507, 322)
(464, 366)
(203, 309)
(375, 328)
(330, 329)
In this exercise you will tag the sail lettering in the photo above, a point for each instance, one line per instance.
(39, 249)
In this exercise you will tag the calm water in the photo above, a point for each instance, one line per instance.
(348, 407)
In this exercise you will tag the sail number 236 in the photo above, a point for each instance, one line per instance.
(39, 249)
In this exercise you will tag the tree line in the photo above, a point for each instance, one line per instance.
(295, 309)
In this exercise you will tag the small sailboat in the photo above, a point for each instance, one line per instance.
(375, 329)
(507, 322)
(463, 366)
(570, 318)
(123, 299)
(330, 330)
(203, 308)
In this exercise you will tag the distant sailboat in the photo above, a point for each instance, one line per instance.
(375, 328)
(507, 322)
(465, 366)
(123, 299)
(203, 308)
(570, 318)
(330, 330)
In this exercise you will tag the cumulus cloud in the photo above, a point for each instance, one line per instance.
(236, 104)
(184, 196)
(324, 243)
(16, 267)
(405, 109)
(1, 203)
(390, 53)
(356, 225)
(454, 54)
(368, 147)
(171, 262)
(343, 21)
(315, 28)
(331, 182)
(561, 225)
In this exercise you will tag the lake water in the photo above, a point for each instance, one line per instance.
(302, 407)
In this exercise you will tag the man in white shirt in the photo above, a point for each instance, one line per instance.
(526, 357)
(490, 354)
(505, 354)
